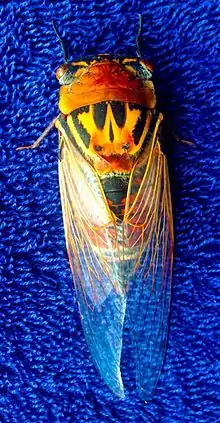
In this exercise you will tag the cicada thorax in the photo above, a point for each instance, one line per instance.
(108, 109)
(111, 135)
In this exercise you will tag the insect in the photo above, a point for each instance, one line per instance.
(117, 212)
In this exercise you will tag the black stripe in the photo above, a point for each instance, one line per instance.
(118, 110)
(84, 135)
(99, 114)
(111, 135)
(67, 131)
(139, 127)
(135, 106)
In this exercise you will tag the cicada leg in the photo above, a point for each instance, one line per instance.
(178, 139)
(41, 137)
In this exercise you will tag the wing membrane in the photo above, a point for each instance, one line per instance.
(114, 262)
(91, 236)
(150, 287)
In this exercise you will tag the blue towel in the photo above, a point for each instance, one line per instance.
(46, 372)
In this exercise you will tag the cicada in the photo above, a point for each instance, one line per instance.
(117, 212)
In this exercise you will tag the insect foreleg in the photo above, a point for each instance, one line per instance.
(41, 137)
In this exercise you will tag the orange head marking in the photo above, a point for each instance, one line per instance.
(105, 78)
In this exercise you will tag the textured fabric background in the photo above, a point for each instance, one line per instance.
(46, 372)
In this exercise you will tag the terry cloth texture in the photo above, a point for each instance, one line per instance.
(46, 372)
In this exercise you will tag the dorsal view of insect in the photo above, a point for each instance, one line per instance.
(117, 211)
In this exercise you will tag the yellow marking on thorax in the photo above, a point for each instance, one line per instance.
(101, 137)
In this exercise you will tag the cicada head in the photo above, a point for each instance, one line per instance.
(105, 78)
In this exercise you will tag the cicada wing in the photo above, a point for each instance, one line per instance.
(110, 258)
(90, 232)
(149, 218)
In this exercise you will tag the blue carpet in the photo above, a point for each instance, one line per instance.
(46, 372)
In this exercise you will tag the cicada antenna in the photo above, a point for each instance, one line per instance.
(138, 51)
(64, 49)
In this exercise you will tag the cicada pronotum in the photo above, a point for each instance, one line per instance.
(117, 211)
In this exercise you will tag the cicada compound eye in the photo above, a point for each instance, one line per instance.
(144, 70)
(140, 68)
(65, 74)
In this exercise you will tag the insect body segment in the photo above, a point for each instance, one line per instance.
(110, 135)
(101, 80)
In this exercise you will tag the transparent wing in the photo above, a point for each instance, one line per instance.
(114, 262)
(91, 237)
(149, 213)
